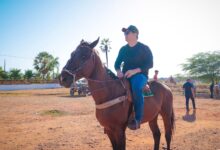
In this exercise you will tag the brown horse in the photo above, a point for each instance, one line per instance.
(106, 87)
(216, 91)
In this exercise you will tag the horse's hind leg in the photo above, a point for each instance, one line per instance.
(156, 132)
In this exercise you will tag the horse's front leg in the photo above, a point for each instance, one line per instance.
(117, 138)
(111, 138)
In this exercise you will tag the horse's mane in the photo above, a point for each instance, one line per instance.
(111, 74)
(108, 71)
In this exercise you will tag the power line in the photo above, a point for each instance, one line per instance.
(19, 57)
(4, 65)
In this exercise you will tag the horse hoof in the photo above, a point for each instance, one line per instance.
(165, 148)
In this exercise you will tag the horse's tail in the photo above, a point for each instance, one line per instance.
(172, 118)
(173, 121)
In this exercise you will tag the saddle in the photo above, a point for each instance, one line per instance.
(146, 90)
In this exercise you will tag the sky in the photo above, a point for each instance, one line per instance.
(173, 29)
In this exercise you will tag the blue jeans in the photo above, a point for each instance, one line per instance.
(137, 82)
(187, 101)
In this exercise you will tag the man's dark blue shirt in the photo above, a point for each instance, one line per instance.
(188, 88)
(139, 56)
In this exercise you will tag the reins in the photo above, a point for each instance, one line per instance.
(105, 104)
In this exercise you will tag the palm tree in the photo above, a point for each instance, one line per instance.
(15, 74)
(105, 47)
(28, 74)
(44, 63)
(55, 65)
(3, 75)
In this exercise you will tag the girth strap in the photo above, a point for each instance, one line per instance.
(111, 102)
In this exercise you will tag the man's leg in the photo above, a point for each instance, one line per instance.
(193, 102)
(187, 103)
(211, 91)
(137, 83)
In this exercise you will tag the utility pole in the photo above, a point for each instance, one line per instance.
(4, 65)
(106, 54)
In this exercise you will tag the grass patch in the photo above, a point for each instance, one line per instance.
(14, 94)
(53, 113)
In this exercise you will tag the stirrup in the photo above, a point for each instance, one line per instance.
(148, 94)
(134, 124)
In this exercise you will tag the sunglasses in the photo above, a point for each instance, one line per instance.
(126, 32)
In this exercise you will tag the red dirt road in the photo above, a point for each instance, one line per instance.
(24, 125)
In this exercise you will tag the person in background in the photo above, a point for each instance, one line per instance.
(189, 93)
(211, 88)
(156, 75)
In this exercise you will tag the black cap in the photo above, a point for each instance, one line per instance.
(131, 28)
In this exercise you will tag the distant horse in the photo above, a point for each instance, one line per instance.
(216, 91)
(171, 80)
(109, 93)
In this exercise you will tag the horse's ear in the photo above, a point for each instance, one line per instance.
(93, 44)
(81, 41)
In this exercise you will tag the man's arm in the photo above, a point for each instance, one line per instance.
(119, 60)
(193, 93)
(193, 90)
(184, 88)
(132, 72)
(184, 85)
(148, 61)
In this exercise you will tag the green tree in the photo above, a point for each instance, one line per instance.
(180, 77)
(37, 76)
(28, 74)
(45, 63)
(205, 66)
(105, 47)
(3, 74)
(55, 65)
(15, 74)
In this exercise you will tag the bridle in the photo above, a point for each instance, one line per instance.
(106, 104)
(74, 72)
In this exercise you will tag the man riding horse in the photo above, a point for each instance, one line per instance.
(112, 107)
(137, 59)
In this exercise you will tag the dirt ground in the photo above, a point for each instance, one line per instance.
(50, 119)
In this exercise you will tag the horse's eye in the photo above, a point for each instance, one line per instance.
(83, 57)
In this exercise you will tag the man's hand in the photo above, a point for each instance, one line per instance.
(120, 74)
(193, 92)
(132, 72)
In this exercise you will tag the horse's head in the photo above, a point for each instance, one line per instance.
(80, 64)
